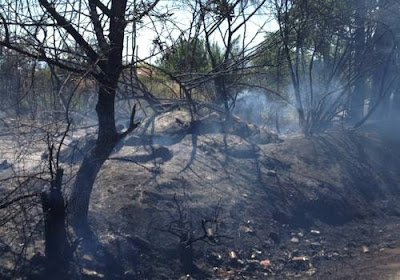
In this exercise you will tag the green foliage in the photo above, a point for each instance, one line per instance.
(185, 57)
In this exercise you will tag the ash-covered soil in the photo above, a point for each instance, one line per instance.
(319, 208)
(324, 207)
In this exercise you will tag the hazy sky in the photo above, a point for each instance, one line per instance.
(255, 29)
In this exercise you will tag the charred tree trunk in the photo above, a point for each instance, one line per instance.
(93, 161)
(57, 248)
(222, 95)
(108, 137)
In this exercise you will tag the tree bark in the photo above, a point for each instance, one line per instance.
(108, 137)
(93, 161)
(57, 247)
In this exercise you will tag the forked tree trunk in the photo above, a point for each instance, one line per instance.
(108, 137)
(93, 161)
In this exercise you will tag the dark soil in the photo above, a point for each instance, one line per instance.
(325, 207)
(344, 186)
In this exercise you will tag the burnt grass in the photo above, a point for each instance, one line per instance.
(324, 207)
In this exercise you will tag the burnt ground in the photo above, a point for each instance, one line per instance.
(343, 186)
(325, 207)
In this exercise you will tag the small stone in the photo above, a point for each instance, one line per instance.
(301, 259)
(92, 273)
(294, 240)
(335, 254)
(215, 257)
(185, 277)
(233, 255)
(300, 234)
(315, 245)
(315, 232)
(224, 273)
(87, 257)
(129, 275)
(311, 271)
(210, 232)
(271, 173)
(365, 249)
(265, 263)
(248, 230)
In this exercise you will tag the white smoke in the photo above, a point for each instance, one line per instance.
(257, 108)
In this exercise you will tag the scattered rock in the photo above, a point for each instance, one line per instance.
(315, 245)
(265, 263)
(223, 273)
(233, 256)
(271, 173)
(87, 257)
(215, 258)
(335, 254)
(295, 240)
(365, 249)
(257, 251)
(311, 272)
(92, 273)
(315, 232)
(185, 277)
(300, 259)
(129, 275)
(247, 229)
(301, 263)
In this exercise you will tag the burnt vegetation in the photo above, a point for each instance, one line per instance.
(199, 139)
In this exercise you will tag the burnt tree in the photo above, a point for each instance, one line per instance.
(57, 248)
(85, 38)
